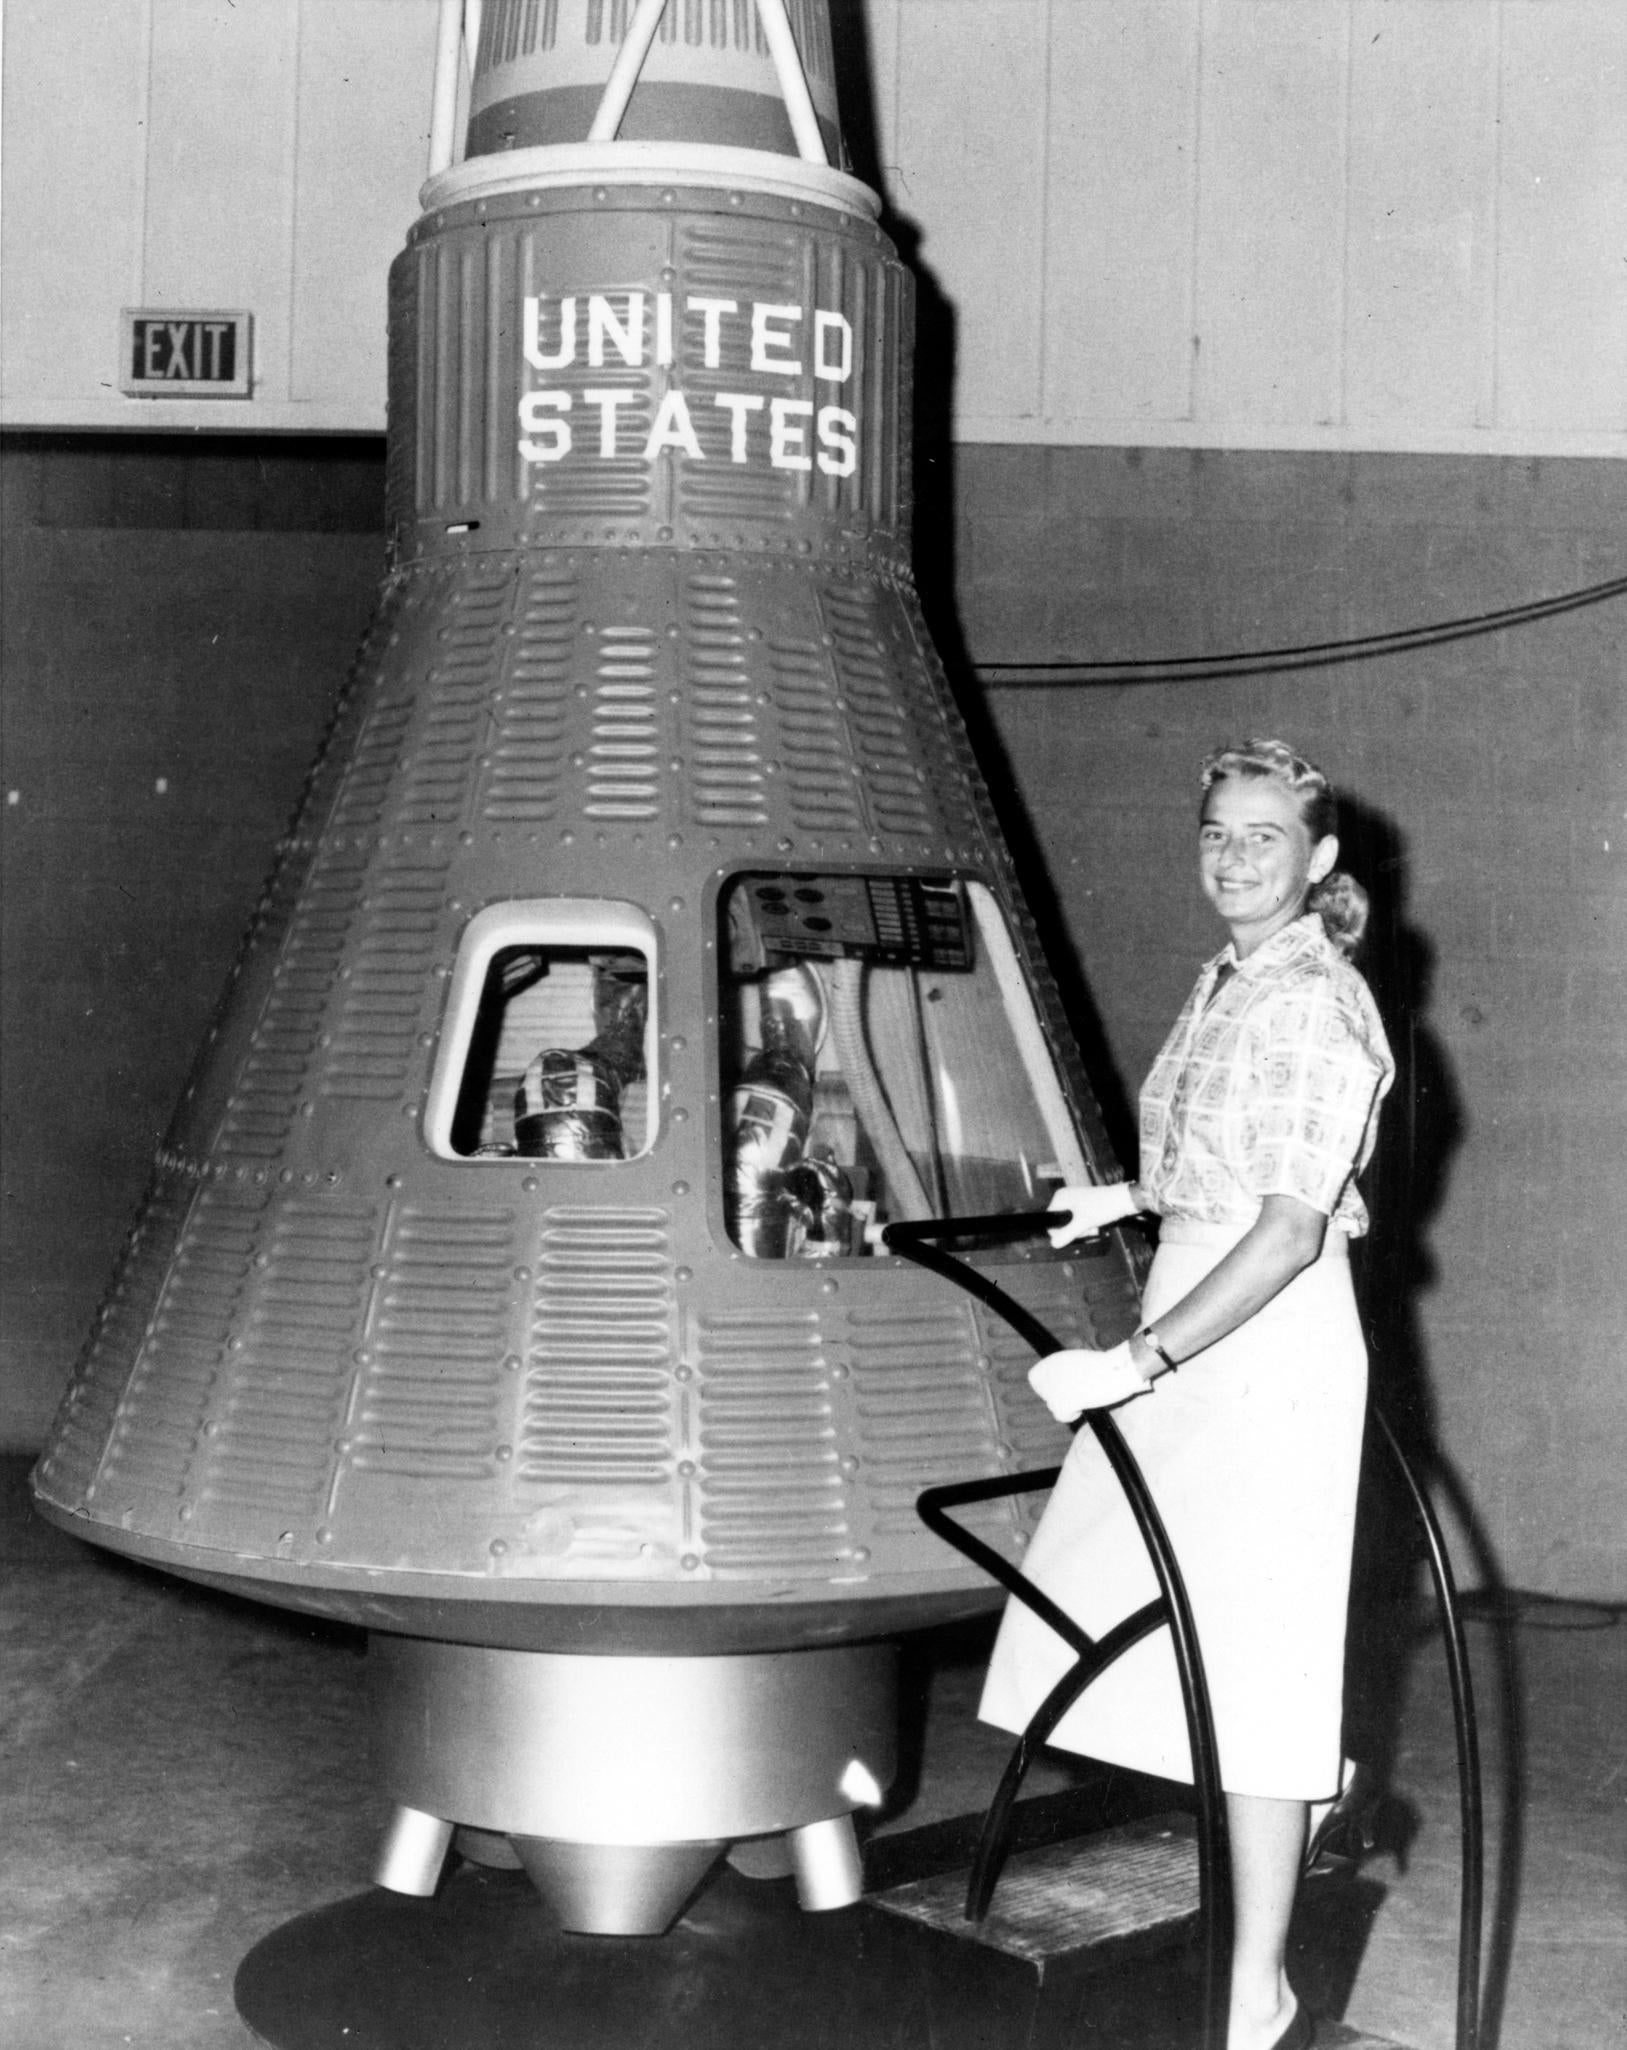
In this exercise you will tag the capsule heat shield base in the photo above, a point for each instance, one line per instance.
(619, 1781)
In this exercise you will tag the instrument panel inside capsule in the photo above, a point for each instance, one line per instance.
(881, 1060)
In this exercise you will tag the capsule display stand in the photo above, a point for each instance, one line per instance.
(484, 1967)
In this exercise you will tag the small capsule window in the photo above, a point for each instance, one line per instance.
(882, 1060)
(548, 1048)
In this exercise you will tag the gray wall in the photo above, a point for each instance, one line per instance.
(1490, 780)
(177, 618)
(179, 615)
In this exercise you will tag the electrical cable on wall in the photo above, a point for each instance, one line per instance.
(1312, 655)
(1542, 1611)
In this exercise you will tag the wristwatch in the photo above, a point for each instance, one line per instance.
(1150, 1339)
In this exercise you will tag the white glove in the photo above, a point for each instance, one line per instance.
(1069, 1383)
(1095, 1205)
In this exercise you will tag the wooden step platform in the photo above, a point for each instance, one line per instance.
(1086, 1944)
(1090, 1902)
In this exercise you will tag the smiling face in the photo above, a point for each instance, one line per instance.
(1256, 857)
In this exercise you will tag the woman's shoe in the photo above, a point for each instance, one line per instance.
(1300, 2033)
(1350, 1827)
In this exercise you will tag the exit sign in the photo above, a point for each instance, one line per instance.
(185, 354)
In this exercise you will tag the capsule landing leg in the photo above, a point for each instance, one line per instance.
(825, 1858)
(413, 1852)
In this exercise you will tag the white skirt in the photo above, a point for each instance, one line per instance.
(1251, 1451)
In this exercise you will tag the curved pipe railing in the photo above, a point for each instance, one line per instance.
(914, 1241)
(1471, 1885)
(1093, 1656)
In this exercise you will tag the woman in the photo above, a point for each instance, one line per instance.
(1258, 1115)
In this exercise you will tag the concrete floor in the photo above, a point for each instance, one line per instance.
(184, 1773)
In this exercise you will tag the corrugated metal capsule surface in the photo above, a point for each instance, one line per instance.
(551, 1404)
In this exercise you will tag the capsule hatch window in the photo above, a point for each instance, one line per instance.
(882, 1059)
(550, 1035)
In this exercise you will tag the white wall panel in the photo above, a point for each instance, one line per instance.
(1562, 204)
(1421, 240)
(1393, 224)
(971, 98)
(70, 240)
(220, 169)
(881, 21)
(365, 71)
(1288, 223)
(1123, 166)
(1271, 210)
(263, 154)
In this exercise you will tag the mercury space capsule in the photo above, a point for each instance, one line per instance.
(510, 1282)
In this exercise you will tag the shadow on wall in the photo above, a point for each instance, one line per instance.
(1420, 1132)
(936, 571)
(1423, 1127)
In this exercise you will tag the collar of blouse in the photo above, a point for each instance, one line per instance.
(1304, 934)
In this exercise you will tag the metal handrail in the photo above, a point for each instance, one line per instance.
(913, 1239)
(1471, 1818)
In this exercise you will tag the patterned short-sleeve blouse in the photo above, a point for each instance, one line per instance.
(1269, 1085)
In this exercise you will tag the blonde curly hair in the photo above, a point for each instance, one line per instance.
(1338, 899)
